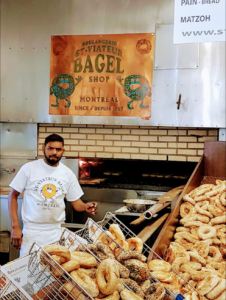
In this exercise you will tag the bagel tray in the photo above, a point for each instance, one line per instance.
(99, 236)
(121, 287)
(68, 270)
(47, 279)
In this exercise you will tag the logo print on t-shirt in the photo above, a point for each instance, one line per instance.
(49, 191)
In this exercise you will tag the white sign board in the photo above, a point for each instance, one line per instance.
(199, 21)
(18, 270)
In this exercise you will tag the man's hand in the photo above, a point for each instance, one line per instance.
(16, 232)
(91, 207)
(16, 237)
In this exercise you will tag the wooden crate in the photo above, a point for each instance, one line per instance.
(211, 166)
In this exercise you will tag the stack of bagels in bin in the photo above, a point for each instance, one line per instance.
(198, 252)
(107, 279)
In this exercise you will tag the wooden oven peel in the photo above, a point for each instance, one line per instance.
(164, 201)
(147, 232)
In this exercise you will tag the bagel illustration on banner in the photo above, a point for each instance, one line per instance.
(58, 88)
(136, 87)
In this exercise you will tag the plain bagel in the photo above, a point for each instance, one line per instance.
(136, 243)
(117, 232)
(71, 291)
(58, 250)
(69, 266)
(86, 282)
(107, 277)
(86, 260)
(59, 259)
(114, 296)
(128, 295)
(159, 265)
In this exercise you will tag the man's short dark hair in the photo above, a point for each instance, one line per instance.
(54, 138)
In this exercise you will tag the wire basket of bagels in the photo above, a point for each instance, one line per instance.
(111, 239)
(105, 277)
(198, 251)
(10, 289)
(50, 274)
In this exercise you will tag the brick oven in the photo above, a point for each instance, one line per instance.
(110, 181)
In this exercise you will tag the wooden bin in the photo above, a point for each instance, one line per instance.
(211, 166)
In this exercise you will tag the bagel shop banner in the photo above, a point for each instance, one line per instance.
(101, 75)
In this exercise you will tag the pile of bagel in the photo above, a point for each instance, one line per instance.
(109, 278)
(131, 263)
(198, 252)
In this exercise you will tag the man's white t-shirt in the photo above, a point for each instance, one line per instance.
(45, 188)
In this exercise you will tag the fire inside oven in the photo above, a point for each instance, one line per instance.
(135, 174)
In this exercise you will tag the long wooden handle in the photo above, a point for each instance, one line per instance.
(170, 195)
(142, 218)
(147, 232)
(138, 220)
(148, 214)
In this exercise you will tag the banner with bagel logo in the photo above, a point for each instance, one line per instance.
(101, 75)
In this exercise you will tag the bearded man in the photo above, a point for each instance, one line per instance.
(45, 183)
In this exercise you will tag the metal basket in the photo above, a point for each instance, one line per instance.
(93, 231)
(43, 284)
(9, 289)
(70, 240)
(74, 242)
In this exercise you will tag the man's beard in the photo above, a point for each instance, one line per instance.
(52, 162)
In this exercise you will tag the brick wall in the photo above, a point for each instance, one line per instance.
(130, 142)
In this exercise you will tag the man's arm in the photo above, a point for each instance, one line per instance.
(16, 233)
(90, 207)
